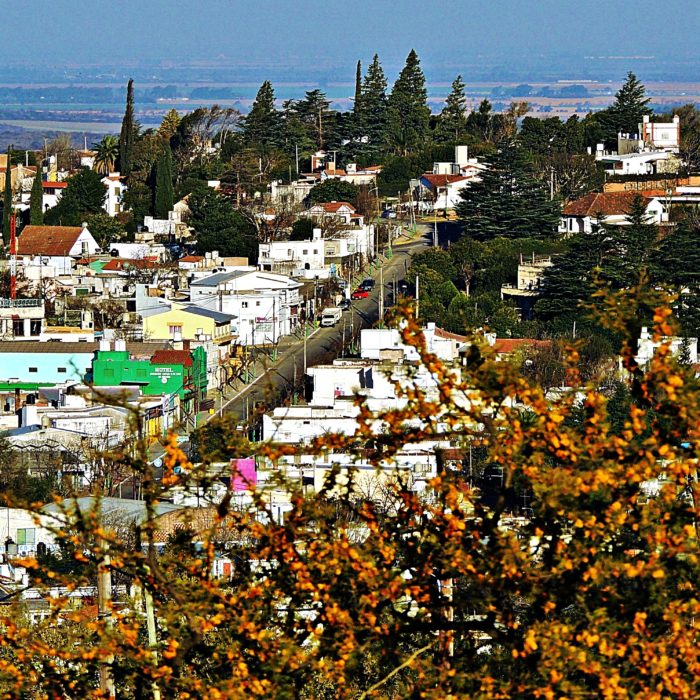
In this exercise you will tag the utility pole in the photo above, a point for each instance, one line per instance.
(417, 296)
(381, 297)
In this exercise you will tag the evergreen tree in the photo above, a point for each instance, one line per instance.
(508, 201)
(7, 200)
(36, 200)
(374, 107)
(313, 111)
(357, 107)
(84, 195)
(168, 127)
(262, 123)
(452, 120)
(635, 241)
(408, 114)
(164, 192)
(626, 112)
(128, 132)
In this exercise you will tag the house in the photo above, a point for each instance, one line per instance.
(443, 190)
(342, 212)
(294, 258)
(652, 136)
(52, 192)
(189, 322)
(266, 304)
(527, 288)
(55, 246)
(645, 163)
(52, 363)
(580, 215)
(21, 319)
(116, 188)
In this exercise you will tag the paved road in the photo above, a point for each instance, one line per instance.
(324, 345)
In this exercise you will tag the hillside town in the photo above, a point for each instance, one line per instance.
(228, 297)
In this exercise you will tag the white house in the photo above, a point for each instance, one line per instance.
(266, 304)
(55, 246)
(580, 215)
(652, 136)
(294, 258)
(342, 212)
(116, 188)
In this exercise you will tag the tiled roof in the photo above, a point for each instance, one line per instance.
(172, 357)
(192, 259)
(333, 207)
(119, 264)
(442, 180)
(32, 346)
(442, 333)
(47, 240)
(506, 346)
(54, 185)
(605, 203)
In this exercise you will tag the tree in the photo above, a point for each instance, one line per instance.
(128, 132)
(333, 190)
(452, 120)
(262, 124)
(302, 230)
(373, 111)
(508, 201)
(357, 103)
(36, 200)
(408, 114)
(314, 114)
(625, 114)
(168, 127)
(219, 227)
(7, 203)
(164, 192)
(84, 195)
(105, 229)
(107, 154)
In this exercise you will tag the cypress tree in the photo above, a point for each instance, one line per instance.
(7, 200)
(36, 200)
(408, 112)
(508, 202)
(453, 117)
(262, 123)
(358, 89)
(164, 195)
(126, 135)
(626, 112)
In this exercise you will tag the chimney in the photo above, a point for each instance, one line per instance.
(84, 225)
(104, 345)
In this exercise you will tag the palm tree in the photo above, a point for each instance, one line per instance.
(107, 154)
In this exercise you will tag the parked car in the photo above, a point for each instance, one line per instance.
(367, 284)
(360, 293)
(344, 304)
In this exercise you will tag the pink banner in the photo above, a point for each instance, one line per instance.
(243, 475)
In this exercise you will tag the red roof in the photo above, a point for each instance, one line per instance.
(505, 346)
(442, 180)
(605, 203)
(47, 240)
(54, 185)
(333, 207)
(172, 357)
(192, 259)
(442, 333)
(119, 264)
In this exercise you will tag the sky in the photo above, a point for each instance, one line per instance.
(300, 33)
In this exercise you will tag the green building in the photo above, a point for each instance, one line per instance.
(170, 372)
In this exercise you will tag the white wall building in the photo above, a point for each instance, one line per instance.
(116, 188)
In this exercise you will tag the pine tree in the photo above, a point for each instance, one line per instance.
(408, 112)
(625, 113)
(128, 132)
(374, 108)
(164, 193)
(262, 123)
(635, 241)
(7, 200)
(36, 200)
(508, 201)
(169, 125)
(453, 118)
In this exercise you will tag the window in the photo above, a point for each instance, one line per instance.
(35, 327)
(175, 329)
(33, 369)
(116, 191)
(305, 252)
(109, 372)
(289, 252)
(244, 304)
(17, 328)
(315, 251)
(140, 372)
(61, 370)
(26, 535)
(257, 303)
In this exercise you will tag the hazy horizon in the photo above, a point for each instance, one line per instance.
(330, 35)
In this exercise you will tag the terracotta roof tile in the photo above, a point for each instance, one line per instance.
(192, 259)
(119, 264)
(505, 346)
(605, 203)
(172, 357)
(442, 180)
(333, 207)
(47, 240)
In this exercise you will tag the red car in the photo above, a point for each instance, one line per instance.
(360, 294)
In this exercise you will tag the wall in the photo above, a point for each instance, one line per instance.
(48, 365)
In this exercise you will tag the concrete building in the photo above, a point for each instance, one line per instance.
(116, 188)
(580, 215)
(527, 288)
(21, 319)
(55, 246)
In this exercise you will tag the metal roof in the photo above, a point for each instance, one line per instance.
(218, 316)
(35, 346)
(113, 509)
(219, 278)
